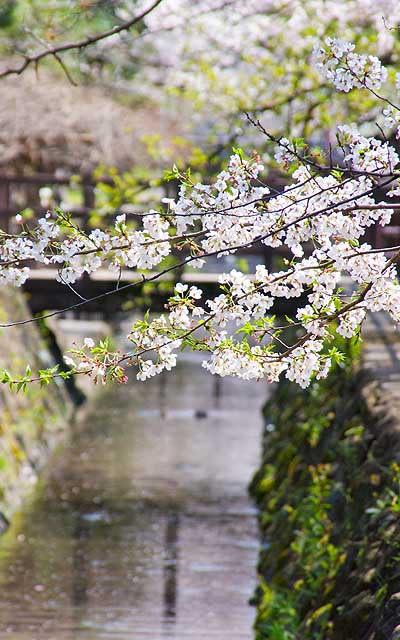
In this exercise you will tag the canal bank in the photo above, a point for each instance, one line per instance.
(142, 527)
(31, 422)
(328, 491)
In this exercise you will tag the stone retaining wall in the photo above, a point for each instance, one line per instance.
(329, 498)
(30, 422)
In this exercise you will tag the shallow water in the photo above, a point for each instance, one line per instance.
(143, 529)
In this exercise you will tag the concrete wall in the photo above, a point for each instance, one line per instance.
(31, 422)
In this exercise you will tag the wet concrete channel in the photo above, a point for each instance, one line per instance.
(142, 528)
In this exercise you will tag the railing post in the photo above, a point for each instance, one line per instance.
(88, 200)
(88, 195)
(4, 204)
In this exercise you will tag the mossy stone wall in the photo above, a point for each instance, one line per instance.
(329, 497)
(29, 422)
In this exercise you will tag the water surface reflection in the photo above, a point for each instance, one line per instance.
(143, 529)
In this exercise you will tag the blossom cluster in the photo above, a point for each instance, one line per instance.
(392, 119)
(346, 69)
(319, 219)
(366, 154)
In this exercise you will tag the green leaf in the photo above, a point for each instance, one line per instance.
(239, 152)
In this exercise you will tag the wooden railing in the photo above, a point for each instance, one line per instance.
(29, 185)
(17, 190)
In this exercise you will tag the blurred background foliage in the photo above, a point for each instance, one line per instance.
(198, 67)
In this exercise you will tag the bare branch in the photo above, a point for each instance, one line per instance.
(80, 44)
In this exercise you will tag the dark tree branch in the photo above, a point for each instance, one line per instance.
(80, 44)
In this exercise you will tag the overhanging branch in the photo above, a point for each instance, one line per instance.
(80, 44)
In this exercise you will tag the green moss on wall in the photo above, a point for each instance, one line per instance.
(29, 421)
(329, 498)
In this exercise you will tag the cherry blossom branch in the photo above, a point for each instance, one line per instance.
(231, 248)
(320, 213)
(307, 161)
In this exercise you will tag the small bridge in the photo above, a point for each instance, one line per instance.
(103, 292)
(106, 292)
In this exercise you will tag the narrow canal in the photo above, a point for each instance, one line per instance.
(142, 528)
